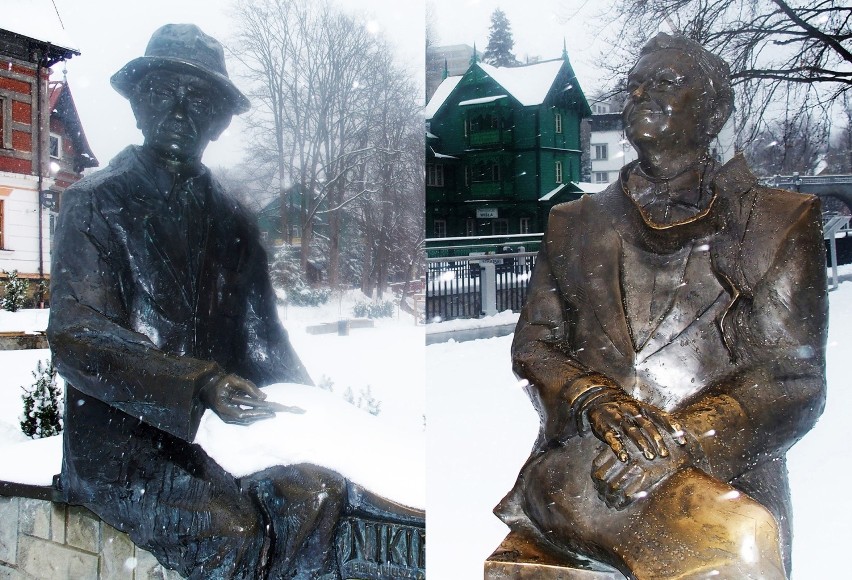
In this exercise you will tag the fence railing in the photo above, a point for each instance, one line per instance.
(472, 286)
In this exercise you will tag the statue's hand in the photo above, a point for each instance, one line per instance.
(237, 400)
(619, 484)
(614, 416)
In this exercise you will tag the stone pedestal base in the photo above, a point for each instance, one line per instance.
(518, 558)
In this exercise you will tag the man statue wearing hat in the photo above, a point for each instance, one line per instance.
(673, 341)
(162, 308)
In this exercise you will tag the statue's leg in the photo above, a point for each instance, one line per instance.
(302, 504)
(687, 527)
(177, 503)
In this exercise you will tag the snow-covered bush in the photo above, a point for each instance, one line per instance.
(380, 309)
(287, 276)
(15, 296)
(42, 404)
(365, 401)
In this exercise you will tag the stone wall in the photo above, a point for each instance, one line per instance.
(43, 540)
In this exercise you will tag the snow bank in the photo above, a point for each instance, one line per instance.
(332, 433)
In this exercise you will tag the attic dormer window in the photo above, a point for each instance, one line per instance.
(55, 146)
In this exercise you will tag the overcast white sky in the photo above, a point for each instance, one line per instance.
(538, 28)
(109, 33)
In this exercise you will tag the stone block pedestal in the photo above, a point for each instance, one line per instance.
(519, 558)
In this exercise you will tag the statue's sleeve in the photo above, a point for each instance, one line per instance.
(542, 354)
(269, 356)
(89, 334)
(776, 333)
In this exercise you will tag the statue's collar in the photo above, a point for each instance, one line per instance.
(165, 177)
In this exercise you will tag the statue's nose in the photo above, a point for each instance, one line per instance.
(638, 91)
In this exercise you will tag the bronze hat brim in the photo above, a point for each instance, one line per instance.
(130, 74)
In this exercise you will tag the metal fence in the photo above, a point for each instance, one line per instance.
(454, 286)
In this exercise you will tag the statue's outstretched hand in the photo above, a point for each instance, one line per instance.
(237, 400)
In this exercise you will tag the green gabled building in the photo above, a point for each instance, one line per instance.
(502, 148)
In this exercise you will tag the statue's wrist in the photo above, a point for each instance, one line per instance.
(580, 393)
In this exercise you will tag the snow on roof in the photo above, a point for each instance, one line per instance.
(431, 135)
(528, 84)
(443, 91)
(441, 155)
(481, 100)
(36, 19)
(549, 195)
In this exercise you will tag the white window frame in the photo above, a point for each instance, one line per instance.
(558, 171)
(597, 175)
(470, 227)
(599, 148)
(524, 225)
(557, 123)
(440, 228)
(54, 138)
(435, 174)
(502, 222)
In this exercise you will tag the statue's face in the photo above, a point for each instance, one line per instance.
(179, 114)
(670, 102)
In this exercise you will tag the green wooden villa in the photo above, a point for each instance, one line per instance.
(502, 148)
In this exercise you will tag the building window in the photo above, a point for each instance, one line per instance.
(440, 228)
(470, 227)
(500, 227)
(558, 172)
(601, 177)
(558, 122)
(601, 152)
(488, 171)
(524, 226)
(435, 175)
(55, 146)
(467, 176)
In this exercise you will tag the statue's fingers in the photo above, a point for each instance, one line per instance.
(245, 386)
(640, 438)
(667, 423)
(248, 416)
(605, 465)
(612, 438)
(614, 488)
(653, 437)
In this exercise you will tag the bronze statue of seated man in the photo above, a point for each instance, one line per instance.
(161, 308)
(673, 341)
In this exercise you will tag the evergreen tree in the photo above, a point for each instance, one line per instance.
(15, 292)
(42, 404)
(500, 42)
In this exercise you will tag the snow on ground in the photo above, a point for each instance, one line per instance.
(28, 320)
(482, 427)
(388, 360)
(505, 317)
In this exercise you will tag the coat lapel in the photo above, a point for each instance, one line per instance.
(601, 266)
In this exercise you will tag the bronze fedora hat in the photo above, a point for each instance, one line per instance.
(182, 48)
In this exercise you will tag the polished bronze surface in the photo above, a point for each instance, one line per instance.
(673, 341)
(161, 308)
